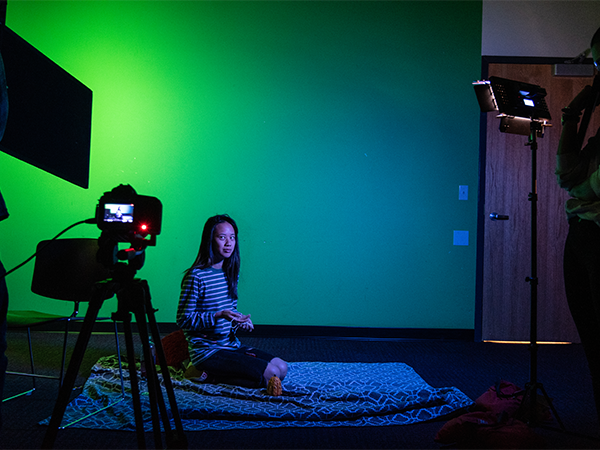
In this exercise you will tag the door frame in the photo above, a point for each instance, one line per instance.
(481, 214)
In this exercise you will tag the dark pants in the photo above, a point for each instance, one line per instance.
(3, 359)
(242, 367)
(582, 283)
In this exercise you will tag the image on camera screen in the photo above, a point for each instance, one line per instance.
(118, 212)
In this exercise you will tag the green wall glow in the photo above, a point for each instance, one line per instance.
(335, 133)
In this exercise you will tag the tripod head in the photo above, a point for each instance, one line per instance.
(122, 264)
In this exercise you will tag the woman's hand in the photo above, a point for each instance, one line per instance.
(229, 315)
(241, 320)
(245, 324)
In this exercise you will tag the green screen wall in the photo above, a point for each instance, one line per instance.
(335, 133)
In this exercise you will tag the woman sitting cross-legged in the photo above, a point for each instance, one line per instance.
(208, 315)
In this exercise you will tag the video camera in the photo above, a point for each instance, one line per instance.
(129, 217)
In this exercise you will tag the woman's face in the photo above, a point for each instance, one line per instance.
(223, 241)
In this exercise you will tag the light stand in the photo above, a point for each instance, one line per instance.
(523, 111)
(531, 388)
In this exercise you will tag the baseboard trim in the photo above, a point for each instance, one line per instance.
(325, 332)
(331, 332)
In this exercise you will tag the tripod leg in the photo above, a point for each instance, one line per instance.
(177, 440)
(159, 401)
(135, 390)
(73, 369)
(151, 377)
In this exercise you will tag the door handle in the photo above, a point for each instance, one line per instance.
(496, 216)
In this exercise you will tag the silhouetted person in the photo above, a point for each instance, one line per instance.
(578, 172)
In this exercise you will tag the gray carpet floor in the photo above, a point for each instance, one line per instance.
(470, 366)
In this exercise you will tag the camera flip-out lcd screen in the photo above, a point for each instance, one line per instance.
(126, 214)
(118, 212)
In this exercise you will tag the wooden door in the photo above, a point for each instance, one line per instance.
(506, 299)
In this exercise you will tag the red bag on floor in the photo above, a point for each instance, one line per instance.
(498, 421)
(509, 399)
(503, 397)
(481, 429)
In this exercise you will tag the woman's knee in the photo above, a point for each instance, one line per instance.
(276, 367)
(281, 366)
(271, 371)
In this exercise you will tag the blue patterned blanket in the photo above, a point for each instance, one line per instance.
(315, 394)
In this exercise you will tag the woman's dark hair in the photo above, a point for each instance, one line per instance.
(206, 256)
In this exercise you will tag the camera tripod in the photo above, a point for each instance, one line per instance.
(133, 297)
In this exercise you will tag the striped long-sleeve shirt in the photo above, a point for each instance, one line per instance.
(204, 292)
